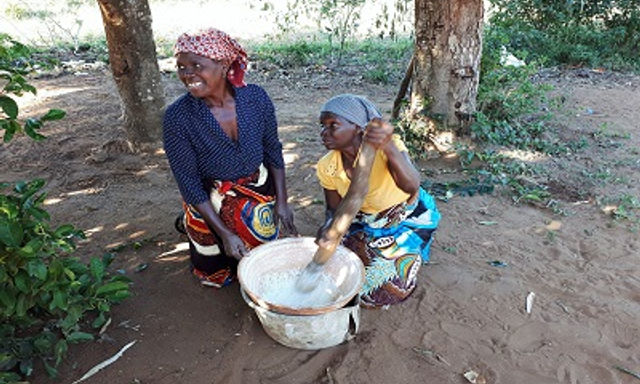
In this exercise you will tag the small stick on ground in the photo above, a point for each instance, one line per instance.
(329, 377)
(628, 372)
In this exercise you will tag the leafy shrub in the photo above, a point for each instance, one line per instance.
(512, 107)
(338, 19)
(589, 33)
(13, 69)
(47, 297)
(293, 54)
(45, 293)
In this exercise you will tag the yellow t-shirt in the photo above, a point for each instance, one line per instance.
(383, 191)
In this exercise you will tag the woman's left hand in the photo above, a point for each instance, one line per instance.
(284, 218)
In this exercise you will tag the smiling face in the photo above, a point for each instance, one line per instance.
(201, 75)
(338, 133)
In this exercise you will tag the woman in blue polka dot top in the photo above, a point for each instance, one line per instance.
(221, 140)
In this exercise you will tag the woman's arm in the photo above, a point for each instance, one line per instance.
(283, 212)
(233, 245)
(402, 169)
(380, 133)
(332, 201)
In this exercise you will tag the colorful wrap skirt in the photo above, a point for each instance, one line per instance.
(246, 207)
(392, 245)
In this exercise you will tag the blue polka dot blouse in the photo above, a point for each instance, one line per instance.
(198, 149)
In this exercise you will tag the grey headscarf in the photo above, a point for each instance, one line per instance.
(357, 109)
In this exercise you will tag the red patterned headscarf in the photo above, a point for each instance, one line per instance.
(216, 45)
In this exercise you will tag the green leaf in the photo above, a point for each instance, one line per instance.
(10, 377)
(33, 124)
(103, 306)
(20, 186)
(124, 278)
(37, 269)
(64, 230)
(43, 343)
(10, 130)
(108, 258)
(26, 367)
(53, 114)
(30, 249)
(30, 127)
(22, 281)
(21, 306)
(56, 268)
(39, 214)
(8, 299)
(99, 321)
(30, 88)
(60, 350)
(70, 274)
(11, 233)
(9, 107)
(118, 296)
(60, 299)
(30, 189)
(70, 322)
(97, 269)
(5, 358)
(112, 287)
(51, 371)
(488, 222)
(78, 337)
(532, 197)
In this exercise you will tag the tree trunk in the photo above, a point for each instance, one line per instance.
(132, 57)
(447, 61)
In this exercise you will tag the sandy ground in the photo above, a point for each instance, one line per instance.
(582, 264)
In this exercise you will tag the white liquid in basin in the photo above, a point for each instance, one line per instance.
(280, 289)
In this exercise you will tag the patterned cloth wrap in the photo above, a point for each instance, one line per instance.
(216, 45)
(392, 245)
(244, 210)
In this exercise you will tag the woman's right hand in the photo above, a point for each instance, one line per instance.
(378, 132)
(234, 246)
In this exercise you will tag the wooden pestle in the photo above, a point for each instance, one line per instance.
(346, 211)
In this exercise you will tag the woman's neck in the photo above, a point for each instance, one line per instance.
(220, 98)
(350, 153)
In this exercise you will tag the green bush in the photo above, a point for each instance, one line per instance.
(293, 54)
(598, 33)
(14, 65)
(513, 109)
(45, 293)
(48, 298)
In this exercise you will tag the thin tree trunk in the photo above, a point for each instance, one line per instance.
(404, 87)
(447, 61)
(132, 57)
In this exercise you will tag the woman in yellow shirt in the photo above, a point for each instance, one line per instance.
(393, 230)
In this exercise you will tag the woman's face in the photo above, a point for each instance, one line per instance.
(201, 75)
(337, 132)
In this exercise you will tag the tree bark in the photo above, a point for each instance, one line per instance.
(447, 55)
(132, 57)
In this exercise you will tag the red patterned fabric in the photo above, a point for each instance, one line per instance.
(245, 211)
(216, 45)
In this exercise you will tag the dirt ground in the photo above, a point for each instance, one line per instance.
(582, 264)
